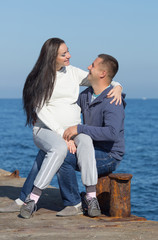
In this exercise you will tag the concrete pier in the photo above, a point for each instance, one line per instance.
(45, 225)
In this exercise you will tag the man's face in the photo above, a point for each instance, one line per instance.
(95, 70)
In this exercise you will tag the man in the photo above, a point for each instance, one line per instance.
(104, 123)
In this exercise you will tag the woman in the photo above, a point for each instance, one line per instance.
(50, 94)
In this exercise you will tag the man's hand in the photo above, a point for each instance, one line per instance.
(71, 146)
(70, 132)
(116, 93)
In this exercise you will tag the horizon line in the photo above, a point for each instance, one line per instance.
(141, 98)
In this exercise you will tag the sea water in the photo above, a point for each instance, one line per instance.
(17, 150)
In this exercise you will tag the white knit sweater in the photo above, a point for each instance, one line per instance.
(62, 111)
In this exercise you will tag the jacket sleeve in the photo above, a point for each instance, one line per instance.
(112, 122)
(44, 114)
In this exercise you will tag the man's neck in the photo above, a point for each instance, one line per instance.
(99, 89)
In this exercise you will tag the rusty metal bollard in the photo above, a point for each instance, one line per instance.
(103, 193)
(15, 174)
(120, 188)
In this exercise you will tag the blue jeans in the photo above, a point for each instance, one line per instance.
(67, 177)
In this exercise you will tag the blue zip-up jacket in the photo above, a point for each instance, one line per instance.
(103, 122)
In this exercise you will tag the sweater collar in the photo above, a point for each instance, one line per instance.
(62, 70)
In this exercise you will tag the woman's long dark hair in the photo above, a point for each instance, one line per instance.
(39, 84)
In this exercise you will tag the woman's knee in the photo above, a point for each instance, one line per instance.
(83, 139)
(60, 150)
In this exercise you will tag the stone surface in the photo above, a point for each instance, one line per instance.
(4, 173)
(45, 225)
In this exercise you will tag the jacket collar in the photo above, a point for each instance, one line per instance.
(100, 97)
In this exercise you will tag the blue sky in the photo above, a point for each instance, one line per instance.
(127, 30)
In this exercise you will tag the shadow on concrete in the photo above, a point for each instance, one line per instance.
(50, 198)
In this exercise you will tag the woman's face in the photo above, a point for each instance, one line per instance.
(63, 57)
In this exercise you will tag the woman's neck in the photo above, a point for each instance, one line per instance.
(59, 67)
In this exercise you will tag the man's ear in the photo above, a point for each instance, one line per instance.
(103, 74)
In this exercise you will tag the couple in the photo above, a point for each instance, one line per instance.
(95, 147)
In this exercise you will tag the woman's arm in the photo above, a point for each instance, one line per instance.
(115, 92)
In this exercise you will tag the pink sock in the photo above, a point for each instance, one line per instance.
(34, 197)
(90, 195)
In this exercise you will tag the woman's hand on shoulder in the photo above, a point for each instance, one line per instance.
(116, 94)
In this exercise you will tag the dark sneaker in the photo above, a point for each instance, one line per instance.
(28, 208)
(70, 211)
(92, 207)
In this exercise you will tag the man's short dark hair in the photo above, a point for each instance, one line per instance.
(111, 63)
